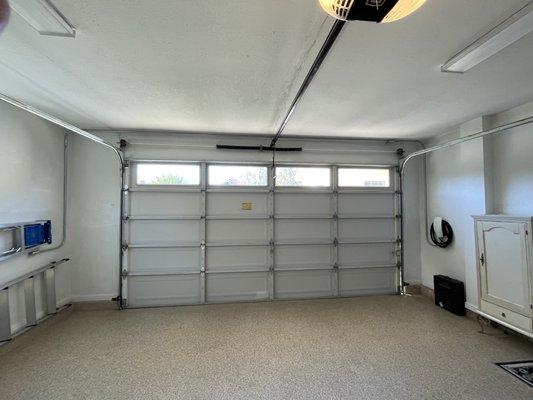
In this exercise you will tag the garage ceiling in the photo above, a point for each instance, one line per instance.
(235, 66)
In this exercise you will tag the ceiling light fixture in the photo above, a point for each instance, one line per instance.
(505, 34)
(371, 10)
(44, 17)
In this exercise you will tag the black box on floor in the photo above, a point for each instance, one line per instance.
(450, 294)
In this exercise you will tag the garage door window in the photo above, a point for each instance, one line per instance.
(168, 174)
(365, 177)
(237, 175)
(303, 177)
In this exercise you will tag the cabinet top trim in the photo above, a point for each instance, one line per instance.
(503, 218)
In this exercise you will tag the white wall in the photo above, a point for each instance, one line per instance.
(492, 175)
(94, 191)
(512, 156)
(31, 182)
(94, 203)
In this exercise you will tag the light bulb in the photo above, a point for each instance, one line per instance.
(402, 9)
(371, 10)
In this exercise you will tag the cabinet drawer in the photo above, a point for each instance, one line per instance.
(507, 316)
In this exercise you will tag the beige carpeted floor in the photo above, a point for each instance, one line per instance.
(366, 348)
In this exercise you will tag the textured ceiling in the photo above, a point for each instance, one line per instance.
(234, 67)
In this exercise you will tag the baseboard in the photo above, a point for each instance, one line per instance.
(95, 305)
(427, 292)
(93, 297)
(63, 302)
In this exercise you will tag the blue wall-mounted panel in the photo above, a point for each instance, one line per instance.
(37, 234)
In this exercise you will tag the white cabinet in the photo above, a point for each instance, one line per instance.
(505, 270)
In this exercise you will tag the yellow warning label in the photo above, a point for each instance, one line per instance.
(246, 206)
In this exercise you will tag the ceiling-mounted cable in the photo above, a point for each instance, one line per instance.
(324, 50)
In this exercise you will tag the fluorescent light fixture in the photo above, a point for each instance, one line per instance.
(505, 34)
(44, 17)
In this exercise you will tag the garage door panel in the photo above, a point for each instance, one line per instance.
(237, 258)
(161, 203)
(303, 203)
(165, 259)
(302, 284)
(237, 230)
(303, 229)
(367, 254)
(237, 233)
(233, 204)
(153, 291)
(360, 282)
(166, 232)
(302, 255)
(367, 229)
(366, 203)
(227, 287)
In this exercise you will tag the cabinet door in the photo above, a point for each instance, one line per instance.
(503, 265)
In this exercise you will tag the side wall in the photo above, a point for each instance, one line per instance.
(95, 186)
(492, 176)
(31, 178)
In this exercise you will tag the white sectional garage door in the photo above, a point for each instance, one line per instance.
(208, 243)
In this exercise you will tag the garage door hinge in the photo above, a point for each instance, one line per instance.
(398, 216)
(335, 216)
(125, 190)
(398, 192)
(399, 240)
(125, 217)
(126, 164)
(336, 242)
(125, 247)
(124, 273)
(335, 266)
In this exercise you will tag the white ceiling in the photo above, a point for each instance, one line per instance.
(234, 67)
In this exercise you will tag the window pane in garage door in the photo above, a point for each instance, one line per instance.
(168, 174)
(364, 177)
(237, 175)
(303, 177)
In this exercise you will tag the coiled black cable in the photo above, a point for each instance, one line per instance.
(447, 231)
